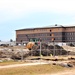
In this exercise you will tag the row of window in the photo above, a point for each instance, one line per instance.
(37, 38)
(69, 33)
(49, 39)
(69, 38)
(44, 36)
(23, 39)
(40, 34)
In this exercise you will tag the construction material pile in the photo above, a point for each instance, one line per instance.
(47, 50)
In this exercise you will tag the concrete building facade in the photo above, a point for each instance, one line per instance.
(47, 34)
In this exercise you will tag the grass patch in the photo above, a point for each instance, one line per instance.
(32, 70)
(10, 63)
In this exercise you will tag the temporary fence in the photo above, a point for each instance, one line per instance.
(54, 49)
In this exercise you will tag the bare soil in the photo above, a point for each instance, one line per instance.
(66, 72)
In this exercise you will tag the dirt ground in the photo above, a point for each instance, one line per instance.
(71, 71)
(20, 65)
(67, 72)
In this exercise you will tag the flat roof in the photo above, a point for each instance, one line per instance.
(50, 26)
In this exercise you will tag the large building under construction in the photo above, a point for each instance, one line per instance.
(56, 33)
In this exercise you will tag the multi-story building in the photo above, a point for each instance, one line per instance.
(57, 33)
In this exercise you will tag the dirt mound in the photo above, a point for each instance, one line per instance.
(47, 50)
(14, 54)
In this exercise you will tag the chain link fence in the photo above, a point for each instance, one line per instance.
(41, 49)
(53, 49)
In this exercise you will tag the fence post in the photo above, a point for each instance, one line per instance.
(21, 50)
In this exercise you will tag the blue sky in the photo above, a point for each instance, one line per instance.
(18, 14)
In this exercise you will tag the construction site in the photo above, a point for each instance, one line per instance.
(39, 54)
(35, 48)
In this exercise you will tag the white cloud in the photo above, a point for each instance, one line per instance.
(10, 9)
(19, 6)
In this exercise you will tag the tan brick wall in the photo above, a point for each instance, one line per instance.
(40, 31)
